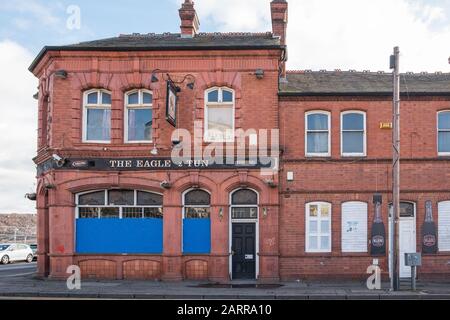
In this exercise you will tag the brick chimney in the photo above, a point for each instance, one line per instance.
(279, 10)
(189, 20)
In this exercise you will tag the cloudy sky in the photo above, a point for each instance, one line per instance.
(322, 34)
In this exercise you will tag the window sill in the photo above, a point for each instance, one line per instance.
(95, 142)
(354, 155)
(138, 142)
(317, 156)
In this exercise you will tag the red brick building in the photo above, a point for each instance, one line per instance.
(111, 199)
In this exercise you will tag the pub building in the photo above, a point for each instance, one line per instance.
(112, 200)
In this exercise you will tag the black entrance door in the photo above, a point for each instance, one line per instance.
(244, 250)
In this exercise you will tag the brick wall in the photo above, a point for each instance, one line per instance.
(336, 179)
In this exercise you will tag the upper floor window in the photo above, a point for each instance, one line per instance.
(97, 116)
(318, 227)
(444, 133)
(219, 115)
(138, 116)
(353, 135)
(318, 134)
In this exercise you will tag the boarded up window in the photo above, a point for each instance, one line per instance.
(444, 226)
(354, 227)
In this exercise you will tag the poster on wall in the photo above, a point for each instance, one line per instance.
(171, 103)
(429, 239)
(354, 227)
(378, 237)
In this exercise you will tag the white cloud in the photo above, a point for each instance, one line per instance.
(18, 123)
(346, 34)
(43, 14)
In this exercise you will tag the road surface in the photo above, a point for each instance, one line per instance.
(17, 269)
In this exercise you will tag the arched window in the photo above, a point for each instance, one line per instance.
(317, 126)
(219, 115)
(97, 116)
(318, 227)
(125, 204)
(244, 204)
(197, 204)
(196, 222)
(353, 133)
(444, 133)
(138, 116)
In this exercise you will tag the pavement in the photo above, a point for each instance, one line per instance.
(19, 281)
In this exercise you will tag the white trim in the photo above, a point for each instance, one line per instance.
(319, 234)
(356, 154)
(441, 154)
(323, 154)
(98, 105)
(140, 106)
(220, 103)
(230, 230)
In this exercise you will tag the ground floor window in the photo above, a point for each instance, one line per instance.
(318, 227)
(444, 226)
(119, 222)
(354, 226)
(196, 222)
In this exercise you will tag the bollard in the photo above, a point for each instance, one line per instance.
(413, 278)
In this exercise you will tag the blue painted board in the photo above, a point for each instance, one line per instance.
(196, 236)
(117, 236)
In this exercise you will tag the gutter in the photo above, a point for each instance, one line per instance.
(360, 94)
(138, 49)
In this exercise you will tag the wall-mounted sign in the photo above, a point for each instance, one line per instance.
(429, 239)
(386, 125)
(138, 164)
(171, 103)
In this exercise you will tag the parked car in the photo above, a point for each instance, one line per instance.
(33, 247)
(15, 252)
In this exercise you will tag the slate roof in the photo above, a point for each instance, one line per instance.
(172, 41)
(304, 83)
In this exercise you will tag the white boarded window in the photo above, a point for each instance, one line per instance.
(444, 226)
(354, 226)
(318, 227)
